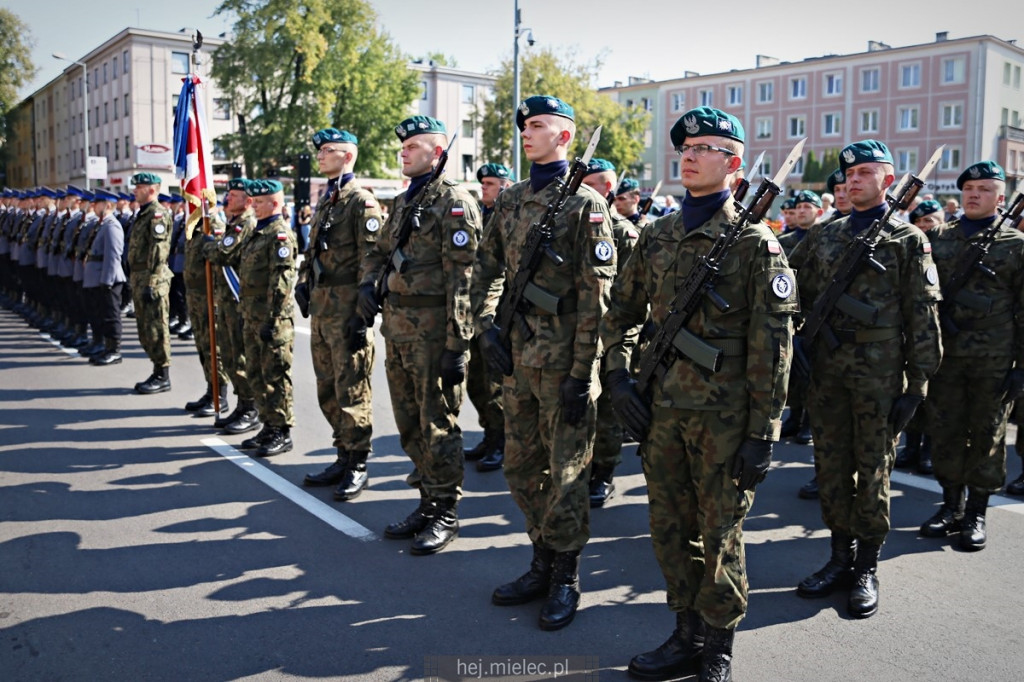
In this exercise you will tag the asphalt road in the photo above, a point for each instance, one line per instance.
(136, 544)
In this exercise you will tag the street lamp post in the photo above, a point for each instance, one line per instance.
(519, 30)
(85, 107)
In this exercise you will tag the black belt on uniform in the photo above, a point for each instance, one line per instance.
(425, 301)
(333, 279)
(867, 335)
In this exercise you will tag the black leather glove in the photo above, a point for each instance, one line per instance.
(629, 405)
(1013, 385)
(801, 360)
(367, 303)
(302, 298)
(267, 331)
(148, 295)
(573, 395)
(355, 333)
(498, 357)
(751, 461)
(453, 368)
(903, 409)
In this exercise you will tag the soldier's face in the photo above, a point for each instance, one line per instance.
(263, 206)
(627, 204)
(237, 199)
(927, 222)
(710, 172)
(866, 184)
(145, 193)
(981, 197)
(489, 190)
(543, 136)
(842, 199)
(418, 155)
(331, 159)
(806, 214)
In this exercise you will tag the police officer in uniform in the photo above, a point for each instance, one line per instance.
(103, 277)
(864, 393)
(150, 278)
(709, 434)
(550, 385)
(344, 229)
(427, 324)
(982, 369)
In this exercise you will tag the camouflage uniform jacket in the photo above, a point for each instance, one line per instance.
(195, 260)
(267, 272)
(226, 250)
(905, 297)
(583, 238)
(755, 334)
(626, 235)
(439, 263)
(345, 229)
(989, 312)
(150, 245)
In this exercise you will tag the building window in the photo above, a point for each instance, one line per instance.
(735, 95)
(124, 61)
(707, 98)
(96, 122)
(106, 112)
(950, 159)
(467, 130)
(115, 107)
(1006, 72)
(764, 128)
(104, 72)
(906, 161)
(833, 83)
(953, 70)
(106, 149)
(174, 103)
(1016, 77)
(765, 92)
(645, 102)
(648, 138)
(678, 101)
(910, 76)
(832, 124)
(797, 126)
(952, 116)
(468, 94)
(113, 67)
(673, 169)
(221, 109)
(869, 80)
(648, 171)
(220, 152)
(117, 150)
(869, 121)
(423, 89)
(126, 147)
(907, 118)
(798, 88)
(125, 109)
(179, 62)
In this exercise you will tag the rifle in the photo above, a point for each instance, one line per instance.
(645, 207)
(971, 259)
(672, 337)
(523, 291)
(410, 223)
(861, 251)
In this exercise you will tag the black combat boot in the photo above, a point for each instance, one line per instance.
(248, 419)
(203, 400)
(947, 520)
(563, 593)
(911, 452)
(209, 410)
(441, 530)
(679, 656)
(277, 441)
(494, 458)
(601, 485)
(531, 585)
(791, 426)
(483, 448)
(95, 348)
(836, 574)
(716, 660)
(331, 474)
(354, 479)
(1016, 487)
(185, 332)
(972, 530)
(112, 356)
(863, 601)
(414, 522)
(809, 490)
(158, 382)
(257, 440)
(223, 420)
(924, 462)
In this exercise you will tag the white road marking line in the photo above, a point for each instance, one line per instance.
(324, 512)
(931, 485)
(73, 352)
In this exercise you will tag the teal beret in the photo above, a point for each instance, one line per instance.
(419, 125)
(865, 151)
(789, 203)
(925, 208)
(495, 170)
(983, 170)
(627, 185)
(706, 121)
(599, 166)
(105, 195)
(836, 177)
(807, 197)
(261, 188)
(238, 183)
(145, 179)
(333, 135)
(542, 104)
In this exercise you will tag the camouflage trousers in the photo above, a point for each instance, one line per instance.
(231, 343)
(608, 440)
(199, 315)
(484, 390)
(967, 422)
(854, 450)
(547, 462)
(268, 367)
(151, 321)
(427, 416)
(343, 382)
(696, 510)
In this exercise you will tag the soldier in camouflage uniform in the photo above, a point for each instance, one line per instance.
(709, 434)
(427, 325)
(982, 369)
(608, 441)
(266, 275)
(864, 393)
(627, 203)
(223, 250)
(483, 384)
(550, 386)
(343, 231)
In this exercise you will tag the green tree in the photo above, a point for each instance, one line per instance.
(16, 67)
(441, 59)
(543, 72)
(293, 67)
(812, 169)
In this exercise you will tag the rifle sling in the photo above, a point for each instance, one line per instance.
(971, 301)
(414, 301)
(867, 335)
(332, 279)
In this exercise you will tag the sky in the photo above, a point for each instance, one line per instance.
(657, 39)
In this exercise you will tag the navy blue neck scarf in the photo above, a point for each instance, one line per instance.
(973, 227)
(415, 184)
(260, 224)
(698, 210)
(542, 174)
(861, 220)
